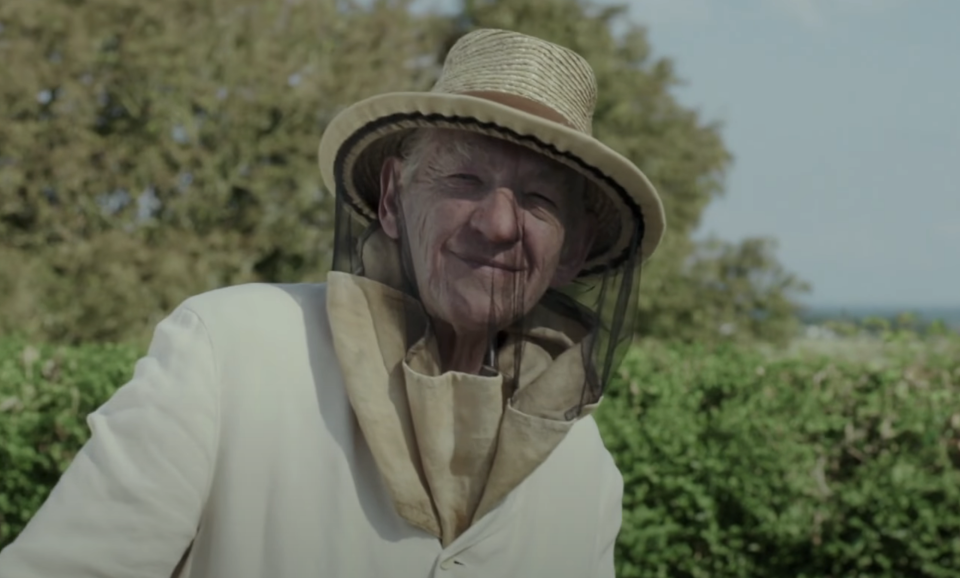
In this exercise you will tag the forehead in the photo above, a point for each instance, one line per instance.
(482, 142)
(478, 148)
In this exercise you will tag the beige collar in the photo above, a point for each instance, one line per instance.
(447, 446)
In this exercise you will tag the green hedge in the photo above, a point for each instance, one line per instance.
(45, 396)
(735, 463)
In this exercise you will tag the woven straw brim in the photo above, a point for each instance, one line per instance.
(357, 141)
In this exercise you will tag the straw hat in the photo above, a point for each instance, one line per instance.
(518, 88)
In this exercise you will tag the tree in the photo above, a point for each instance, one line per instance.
(728, 292)
(153, 151)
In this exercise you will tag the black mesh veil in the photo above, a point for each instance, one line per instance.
(597, 312)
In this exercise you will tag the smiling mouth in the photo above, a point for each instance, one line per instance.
(479, 263)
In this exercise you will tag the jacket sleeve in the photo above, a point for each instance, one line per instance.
(130, 502)
(611, 518)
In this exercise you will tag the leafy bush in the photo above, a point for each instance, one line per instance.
(736, 463)
(45, 396)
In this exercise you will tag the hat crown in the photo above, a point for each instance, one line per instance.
(550, 80)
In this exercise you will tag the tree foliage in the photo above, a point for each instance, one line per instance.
(152, 151)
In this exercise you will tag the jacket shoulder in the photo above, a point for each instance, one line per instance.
(259, 304)
(584, 445)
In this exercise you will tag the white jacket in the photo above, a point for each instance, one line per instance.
(234, 453)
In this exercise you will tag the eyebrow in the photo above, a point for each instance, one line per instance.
(459, 154)
(557, 173)
(469, 152)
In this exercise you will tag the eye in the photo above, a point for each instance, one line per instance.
(465, 177)
(540, 198)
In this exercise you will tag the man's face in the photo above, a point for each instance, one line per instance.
(489, 225)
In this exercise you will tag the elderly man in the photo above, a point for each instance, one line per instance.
(427, 410)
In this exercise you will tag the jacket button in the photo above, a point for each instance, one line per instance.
(447, 564)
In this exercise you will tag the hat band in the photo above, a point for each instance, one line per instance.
(523, 104)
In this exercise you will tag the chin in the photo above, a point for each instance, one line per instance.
(474, 315)
(466, 305)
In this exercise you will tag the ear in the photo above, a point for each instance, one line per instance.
(388, 210)
(576, 252)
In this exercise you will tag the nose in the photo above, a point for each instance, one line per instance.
(498, 218)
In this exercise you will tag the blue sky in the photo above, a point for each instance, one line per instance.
(844, 120)
(844, 117)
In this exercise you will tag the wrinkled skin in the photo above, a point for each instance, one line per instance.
(489, 226)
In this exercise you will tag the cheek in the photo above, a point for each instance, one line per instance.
(446, 217)
(434, 226)
(545, 244)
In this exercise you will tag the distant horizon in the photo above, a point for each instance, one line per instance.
(949, 314)
(884, 307)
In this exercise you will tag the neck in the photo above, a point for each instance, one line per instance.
(461, 352)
